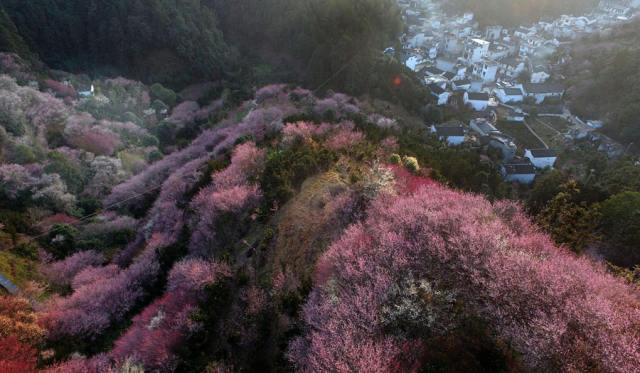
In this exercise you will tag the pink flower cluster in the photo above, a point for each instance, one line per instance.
(345, 139)
(558, 311)
(230, 192)
(99, 300)
(164, 325)
(62, 272)
(60, 89)
(96, 142)
(270, 91)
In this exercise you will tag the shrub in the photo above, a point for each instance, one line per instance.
(411, 164)
(287, 169)
(61, 240)
(620, 218)
(163, 94)
(395, 159)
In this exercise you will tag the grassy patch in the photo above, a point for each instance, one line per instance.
(18, 269)
(560, 124)
(520, 133)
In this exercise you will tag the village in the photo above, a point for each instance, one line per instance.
(509, 78)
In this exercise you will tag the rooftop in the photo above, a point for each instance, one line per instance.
(478, 96)
(512, 91)
(543, 87)
(449, 131)
(519, 168)
(543, 153)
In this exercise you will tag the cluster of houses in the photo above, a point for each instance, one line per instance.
(457, 60)
(518, 69)
(481, 132)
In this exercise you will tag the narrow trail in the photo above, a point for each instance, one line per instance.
(9, 285)
(535, 134)
(14, 290)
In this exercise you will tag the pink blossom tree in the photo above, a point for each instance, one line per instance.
(559, 312)
(164, 325)
(62, 272)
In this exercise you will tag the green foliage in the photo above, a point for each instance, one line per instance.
(620, 218)
(605, 83)
(165, 95)
(61, 241)
(512, 13)
(547, 186)
(154, 155)
(10, 39)
(155, 40)
(72, 175)
(286, 169)
(23, 154)
(411, 164)
(204, 345)
(27, 250)
(461, 169)
(569, 220)
(395, 159)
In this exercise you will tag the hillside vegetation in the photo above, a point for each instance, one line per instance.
(513, 13)
(325, 44)
(303, 233)
(605, 76)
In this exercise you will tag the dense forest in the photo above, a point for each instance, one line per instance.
(513, 13)
(325, 44)
(605, 82)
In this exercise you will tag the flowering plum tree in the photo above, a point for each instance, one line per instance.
(558, 311)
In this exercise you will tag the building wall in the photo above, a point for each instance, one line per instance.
(455, 140)
(541, 162)
(523, 179)
(477, 105)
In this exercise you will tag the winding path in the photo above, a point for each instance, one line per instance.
(10, 286)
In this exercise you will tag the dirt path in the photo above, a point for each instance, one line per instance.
(535, 134)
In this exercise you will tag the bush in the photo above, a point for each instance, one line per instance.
(287, 169)
(620, 218)
(23, 154)
(61, 240)
(411, 163)
(395, 159)
(163, 94)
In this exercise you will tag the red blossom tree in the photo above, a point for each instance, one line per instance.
(60, 89)
(16, 357)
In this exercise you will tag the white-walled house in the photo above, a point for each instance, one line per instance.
(446, 64)
(493, 32)
(453, 135)
(464, 84)
(509, 94)
(440, 93)
(478, 100)
(541, 91)
(520, 171)
(512, 67)
(476, 50)
(486, 70)
(541, 158)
